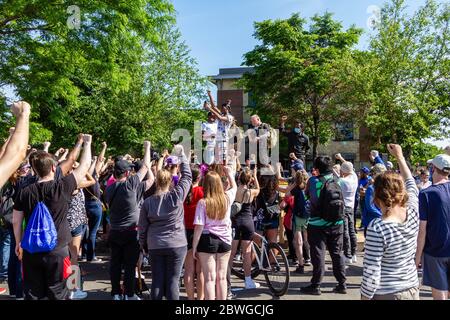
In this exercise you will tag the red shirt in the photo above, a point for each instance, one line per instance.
(189, 209)
(287, 221)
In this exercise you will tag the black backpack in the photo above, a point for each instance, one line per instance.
(6, 205)
(331, 201)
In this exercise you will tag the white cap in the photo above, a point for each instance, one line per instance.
(389, 165)
(347, 167)
(442, 162)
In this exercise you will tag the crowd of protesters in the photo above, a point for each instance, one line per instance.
(194, 219)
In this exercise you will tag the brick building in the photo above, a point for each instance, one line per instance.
(351, 141)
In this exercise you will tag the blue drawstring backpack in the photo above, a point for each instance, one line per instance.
(40, 234)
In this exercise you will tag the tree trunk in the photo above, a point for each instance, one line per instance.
(315, 137)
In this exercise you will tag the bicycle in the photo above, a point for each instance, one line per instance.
(271, 260)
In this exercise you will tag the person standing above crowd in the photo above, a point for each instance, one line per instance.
(259, 135)
(349, 185)
(161, 229)
(298, 141)
(43, 273)
(433, 248)
(123, 197)
(389, 266)
(212, 232)
(326, 227)
(209, 134)
(13, 151)
(224, 123)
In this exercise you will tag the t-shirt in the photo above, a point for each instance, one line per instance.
(110, 181)
(123, 199)
(219, 228)
(299, 203)
(210, 132)
(56, 196)
(434, 208)
(223, 128)
(349, 186)
(287, 220)
(189, 209)
(363, 182)
(371, 211)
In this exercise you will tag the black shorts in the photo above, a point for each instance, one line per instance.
(189, 237)
(210, 243)
(244, 229)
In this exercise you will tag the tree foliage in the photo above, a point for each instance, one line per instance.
(299, 71)
(124, 75)
(409, 79)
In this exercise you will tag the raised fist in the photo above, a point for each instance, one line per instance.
(11, 130)
(104, 145)
(20, 108)
(47, 144)
(284, 118)
(395, 150)
(87, 138)
(146, 144)
(178, 150)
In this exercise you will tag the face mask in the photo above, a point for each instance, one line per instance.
(297, 130)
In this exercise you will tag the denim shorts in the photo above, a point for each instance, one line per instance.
(436, 272)
(78, 231)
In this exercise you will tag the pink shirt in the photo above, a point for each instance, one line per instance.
(219, 228)
(110, 181)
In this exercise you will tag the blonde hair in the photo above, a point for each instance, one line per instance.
(163, 179)
(301, 178)
(215, 200)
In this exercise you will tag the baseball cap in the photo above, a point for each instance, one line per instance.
(297, 165)
(122, 166)
(442, 162)
(378, 168)
(171, 160)
(365, 170)
(347, 167)
(389, 165)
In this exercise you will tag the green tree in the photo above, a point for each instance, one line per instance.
(409, 79)
(95, 77)
(298, 71)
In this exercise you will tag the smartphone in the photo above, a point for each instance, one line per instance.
(252, 166)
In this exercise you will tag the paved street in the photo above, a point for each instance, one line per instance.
(97, 284)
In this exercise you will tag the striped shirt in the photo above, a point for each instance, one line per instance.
(389, 260)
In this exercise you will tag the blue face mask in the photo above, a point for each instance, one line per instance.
(297, 130)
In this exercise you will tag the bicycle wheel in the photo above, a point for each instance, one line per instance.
(277, 277)
(238, 266)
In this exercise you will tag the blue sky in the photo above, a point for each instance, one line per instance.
(219, 32)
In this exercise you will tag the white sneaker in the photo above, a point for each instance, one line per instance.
(251, 285)
(117, 297)
(78, 295)
(354, 259)
(135, 297)
(348, 261)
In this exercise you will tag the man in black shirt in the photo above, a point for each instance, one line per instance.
(298, 141)
(123, 198)
(43, 273)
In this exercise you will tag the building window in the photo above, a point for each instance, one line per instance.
(251, 100)
(344, 132)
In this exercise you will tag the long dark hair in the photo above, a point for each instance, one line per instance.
(195, 175)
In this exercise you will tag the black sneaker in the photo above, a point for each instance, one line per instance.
(311, 289)
(300, 270)
(340, 288)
